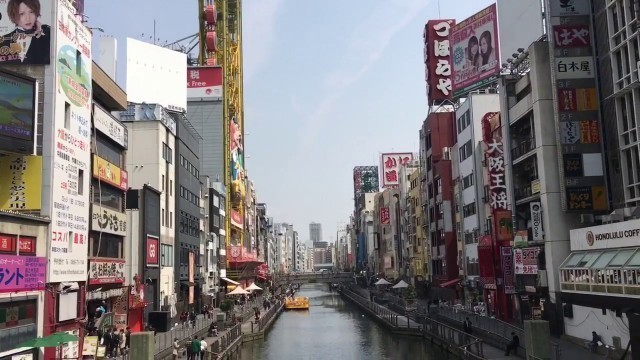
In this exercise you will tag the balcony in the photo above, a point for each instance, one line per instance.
(522, 148)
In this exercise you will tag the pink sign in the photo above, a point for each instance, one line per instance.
(22, 273)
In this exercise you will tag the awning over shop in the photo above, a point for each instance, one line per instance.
(446, 284)
(230, 281)
(607, 271)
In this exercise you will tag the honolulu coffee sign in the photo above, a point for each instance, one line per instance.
(614, 235)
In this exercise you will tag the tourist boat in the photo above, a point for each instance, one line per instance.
(298, 303)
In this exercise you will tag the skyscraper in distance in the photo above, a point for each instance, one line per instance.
(315, 232)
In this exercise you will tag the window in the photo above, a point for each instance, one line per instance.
(162, 183)
(106, 195)
(106, 245)
(467, 181)
(167, 153)
(171, 187)
(67, 116)
(107, 150)
(469, 209)
(466, 150)
(166, 253)
(78, 63)
(216, 220)
(170, 219)
(162, 217)
(80, 182)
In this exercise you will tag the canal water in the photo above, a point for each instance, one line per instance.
(332, 330)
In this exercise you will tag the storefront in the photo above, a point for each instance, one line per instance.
(600, 283)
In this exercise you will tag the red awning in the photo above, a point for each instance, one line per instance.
(449, 283)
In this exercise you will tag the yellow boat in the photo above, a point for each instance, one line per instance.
(299, 303)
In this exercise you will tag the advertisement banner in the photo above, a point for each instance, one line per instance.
(71, 150)
(238, 184)
(494, 155)
(508, 272)
(108, 125)
(204, 82)
(191, 274)
(437, 59)
(107, 220)
(526, 261)
(106, 271)
(153, 251)
(391, 163)
(536, 221)
(22, 273)
(236, 219)
(17, 113)
(23, 181)
(609, 236)
(365, 181)
(577, 116)
(110, 173)
(240, 254)
(476, 52)
(26, 32)
(385, 216)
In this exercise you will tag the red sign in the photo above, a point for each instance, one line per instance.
(391, 164)
(571, 36)
(204, 82)
(153, 251)
(437, 59)
(240, 254)
(385, 216)
(236, 219)
(503, 225)
(106, 271)
(8, 243)
(508, 272)
(27, 245)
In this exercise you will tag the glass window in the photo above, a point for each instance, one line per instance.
(635, 260)
(587, 258)
(106, 245)
(622, 257)
(603, 260)
(106, 195)
(109, 151)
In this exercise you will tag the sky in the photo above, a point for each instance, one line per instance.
(328, 85)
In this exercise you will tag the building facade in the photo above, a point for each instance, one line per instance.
(315, 232)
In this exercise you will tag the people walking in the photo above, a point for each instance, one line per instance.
(513, 345)
(466, 326)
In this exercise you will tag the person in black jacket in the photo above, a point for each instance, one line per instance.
(30, 42)
(513, 344)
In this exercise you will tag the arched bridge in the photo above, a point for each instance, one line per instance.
(317, 277)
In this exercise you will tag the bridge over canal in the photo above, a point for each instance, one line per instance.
(317, 277)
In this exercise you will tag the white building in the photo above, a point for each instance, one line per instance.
(151, 161)
(473, 200)
(405, 224)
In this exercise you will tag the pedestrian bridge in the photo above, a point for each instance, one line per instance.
(315, 277)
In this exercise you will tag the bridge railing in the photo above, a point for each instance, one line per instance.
(256, 327)
(324, 276)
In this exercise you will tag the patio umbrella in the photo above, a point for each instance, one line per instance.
(52, 340)
(382, 282)
(238, 291)
(400, 285)
(253, 286)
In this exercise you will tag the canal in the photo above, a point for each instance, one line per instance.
(332, 329)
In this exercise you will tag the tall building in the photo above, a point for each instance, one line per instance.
(315, 232)
(189, 215)
(216, 260)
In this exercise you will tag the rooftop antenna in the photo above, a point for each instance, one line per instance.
(439, 16)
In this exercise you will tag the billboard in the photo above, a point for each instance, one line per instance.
(109, 126)
(153, 251)
(238, 180)
(365, 180)
(204, 82)
(71, 150)
(26, 32)
(577, 115)
(108, 221)
(23, 180)
(110, 173)
(18, 104)
(155, 75)
(476, 51)
(437, 59)
(391, 163)
(22, 273)
(102, 271)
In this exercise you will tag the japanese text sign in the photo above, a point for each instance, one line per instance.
(110, 173)
(109, 221)
(437, 59)
(106, 272)
(391, 163)
(385, 216)
(204, 82)
(526, 261)
(507, 269)
(494, 155)
(153, 251)
(22, 273)
(569, 36)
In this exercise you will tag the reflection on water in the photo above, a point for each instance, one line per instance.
(332, 329)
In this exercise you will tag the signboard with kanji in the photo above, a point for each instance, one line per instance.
(526, 261)
(437, 60)
(106, 271)
(385, 216)
(22, 273)
(365, 180)
(390, 164)
(508, 273)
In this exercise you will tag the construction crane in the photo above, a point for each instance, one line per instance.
(220, 43)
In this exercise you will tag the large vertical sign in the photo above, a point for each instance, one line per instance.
(71, 150)
(476, 51)
(365, 181)
(390, 164)
(508, 271)
(437, 59)
(577, 116)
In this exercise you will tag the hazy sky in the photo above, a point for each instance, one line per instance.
(328, 86)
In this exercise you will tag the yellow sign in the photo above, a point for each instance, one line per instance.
(109, 173)
(22, 176)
